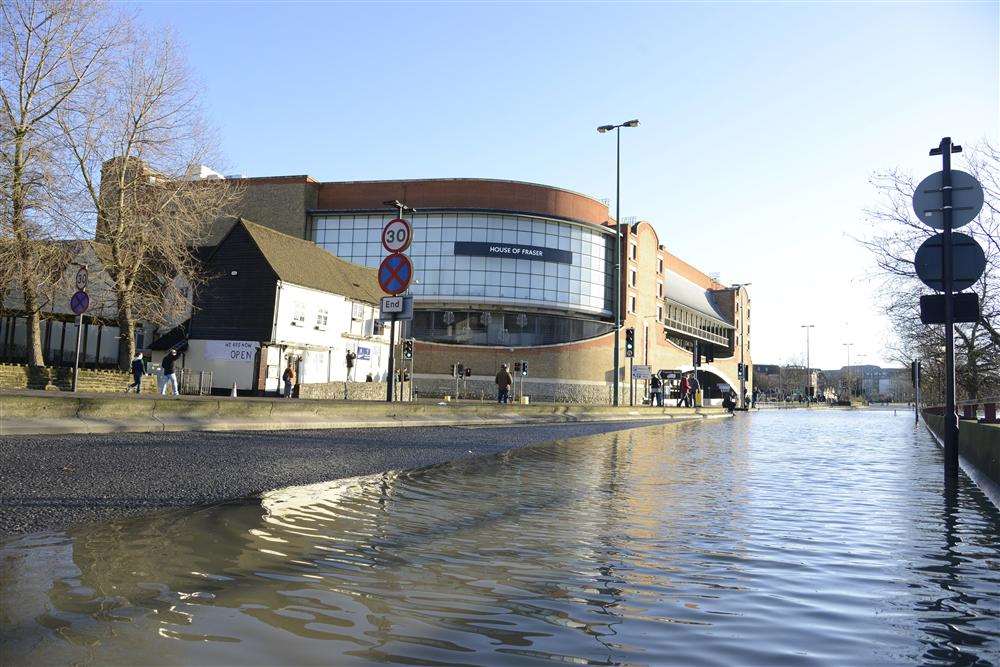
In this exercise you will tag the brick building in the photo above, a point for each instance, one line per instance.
(509, 271)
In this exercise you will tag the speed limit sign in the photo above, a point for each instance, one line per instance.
(396, 235)
(81, 278)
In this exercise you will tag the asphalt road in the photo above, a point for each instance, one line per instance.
(52, 482)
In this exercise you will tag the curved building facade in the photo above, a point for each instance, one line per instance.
(508, 271)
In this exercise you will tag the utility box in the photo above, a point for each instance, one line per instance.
(525, 400)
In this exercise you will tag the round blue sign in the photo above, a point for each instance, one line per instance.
(80, 302)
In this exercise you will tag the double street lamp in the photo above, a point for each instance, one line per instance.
(618, 242)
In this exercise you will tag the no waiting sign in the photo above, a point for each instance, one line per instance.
(395, 273)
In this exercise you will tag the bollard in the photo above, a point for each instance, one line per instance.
(232, 394)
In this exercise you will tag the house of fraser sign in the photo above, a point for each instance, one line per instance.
(539, 253)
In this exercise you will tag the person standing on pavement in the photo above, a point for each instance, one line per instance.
(504, 380)
(288, 377)
(685, 388)
(138, 370)
(169, 377)
(655, 395)
(694, 386)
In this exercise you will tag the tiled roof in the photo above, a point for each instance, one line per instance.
(304, 263)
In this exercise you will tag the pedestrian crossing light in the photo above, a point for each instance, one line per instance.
(408, 348)
(517, 366)
(630, 342)
(524, 368)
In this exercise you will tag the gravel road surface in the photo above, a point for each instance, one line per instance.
(51, 482)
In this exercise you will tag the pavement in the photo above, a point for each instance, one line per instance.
(59, 481)
(35, 413)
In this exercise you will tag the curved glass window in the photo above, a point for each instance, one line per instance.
(479, 327)
(487, 258)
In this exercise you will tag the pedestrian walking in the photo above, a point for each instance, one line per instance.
(169, 377)
(655, 391)
(685, 388)
(288, 377)
(504, 380)
(138, 370)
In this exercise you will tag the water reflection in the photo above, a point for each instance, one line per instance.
(769, 538)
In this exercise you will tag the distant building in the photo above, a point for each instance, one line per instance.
(507, 271)
(272, 301)
(99, 335)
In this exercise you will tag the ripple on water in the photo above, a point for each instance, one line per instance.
(771, 538)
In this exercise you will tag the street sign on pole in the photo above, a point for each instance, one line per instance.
(395, 273)
(956, 193)
(965, 308)
(81, 278)
(396, 308)
(396, 235)
(79, 302)
(642, 372)
(968, 261)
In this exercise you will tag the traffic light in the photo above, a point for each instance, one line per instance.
(746, 372)
(517, 366)
(630, 342)
(468, 372)
(461, 370)
(741, 370)
(524, 368)
(408, 348)
(454, 370)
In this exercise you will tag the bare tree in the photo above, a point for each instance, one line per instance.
(133, 146)
(50, 52)
(895, 236)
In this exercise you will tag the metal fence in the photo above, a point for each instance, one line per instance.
(195, 383)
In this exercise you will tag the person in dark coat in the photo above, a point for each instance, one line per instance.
(169, 377)
(138, 370)
(655, 391)
(504, 380)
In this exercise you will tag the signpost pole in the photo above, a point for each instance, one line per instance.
(950, 416)
(631, 381)
(392, 354)
(916, 392)
(79, 341)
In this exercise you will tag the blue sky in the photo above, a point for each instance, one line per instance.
(761, 123)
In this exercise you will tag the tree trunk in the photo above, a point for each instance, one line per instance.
(126, 334)
(33, 321)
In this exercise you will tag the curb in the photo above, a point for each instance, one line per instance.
(154, 424)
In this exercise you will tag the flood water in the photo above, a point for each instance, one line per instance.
(785, 537)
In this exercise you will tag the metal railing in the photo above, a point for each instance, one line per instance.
(195, 383)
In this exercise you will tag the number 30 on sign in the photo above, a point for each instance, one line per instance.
(396, 235)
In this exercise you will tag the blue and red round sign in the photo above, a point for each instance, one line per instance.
(395, 273)
(80, 302)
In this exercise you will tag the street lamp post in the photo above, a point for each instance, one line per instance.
(807, 327)
(849, 389)
(618, 239)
